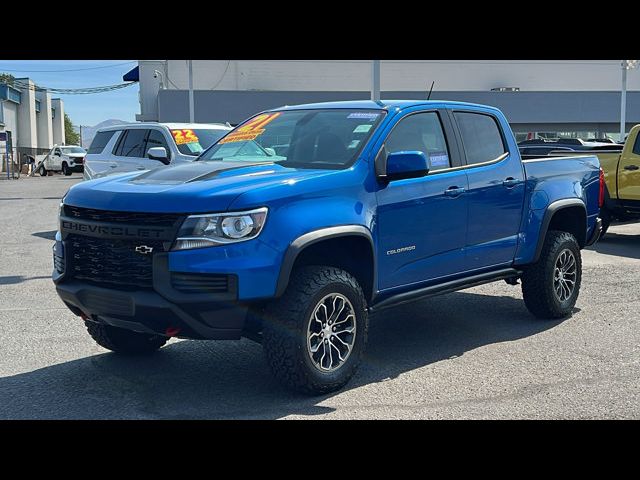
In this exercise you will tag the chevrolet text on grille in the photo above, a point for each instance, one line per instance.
(113, 231)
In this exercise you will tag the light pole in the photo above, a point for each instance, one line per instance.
(375, 80)
(626, 65)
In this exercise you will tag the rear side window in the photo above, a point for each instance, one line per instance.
(480, 136)
(636, 146)
(422, 132)
(100, 141)
(132, 144)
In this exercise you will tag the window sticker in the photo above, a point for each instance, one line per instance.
(195, 147)
(364, 115)
(184, 136)
(353, 144)
(251, 129)
(363, 128)
(439, 159)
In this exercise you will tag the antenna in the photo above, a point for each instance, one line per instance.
(431, 90)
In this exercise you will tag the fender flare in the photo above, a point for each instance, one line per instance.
(303, 241)
(552, 209)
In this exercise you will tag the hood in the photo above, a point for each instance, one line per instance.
(75, 155)
(195, 187)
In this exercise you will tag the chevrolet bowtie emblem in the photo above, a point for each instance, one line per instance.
(143, 249)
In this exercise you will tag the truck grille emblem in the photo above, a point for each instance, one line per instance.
(143, 249)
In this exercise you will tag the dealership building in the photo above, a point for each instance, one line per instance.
(31, 122)
(573, 97)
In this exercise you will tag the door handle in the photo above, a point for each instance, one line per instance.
(454, 191)
(141, 168)
(631, 167)
(113, 165)
(510, 182)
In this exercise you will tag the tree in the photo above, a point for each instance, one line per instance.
(7, 78)
(70, 135)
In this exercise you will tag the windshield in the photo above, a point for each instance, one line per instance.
(299, 138)
(67, 150)
(194, 141)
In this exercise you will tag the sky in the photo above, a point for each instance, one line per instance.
(83, 109)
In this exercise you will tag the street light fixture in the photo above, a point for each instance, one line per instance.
(626, 65)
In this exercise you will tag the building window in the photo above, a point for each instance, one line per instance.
(53, 112)
(37, 106)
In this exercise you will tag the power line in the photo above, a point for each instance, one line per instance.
(70, 69)
(72, 91)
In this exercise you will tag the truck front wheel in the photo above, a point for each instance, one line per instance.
(65, 169)
(550, 286)
(124, 341)
(315, 334)
(42, 171)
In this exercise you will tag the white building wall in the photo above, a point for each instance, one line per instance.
(330, 75)
(28, 136)
(44, 121)
(149, 86)
(58, 122)
(10, 121)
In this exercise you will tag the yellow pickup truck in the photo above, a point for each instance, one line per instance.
(622, 177)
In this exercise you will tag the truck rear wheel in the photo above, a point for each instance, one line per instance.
(315, 334)
(124, 341)
(550, 286)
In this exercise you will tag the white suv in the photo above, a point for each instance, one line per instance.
(147, 145)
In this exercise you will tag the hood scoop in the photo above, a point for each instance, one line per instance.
(191, 172)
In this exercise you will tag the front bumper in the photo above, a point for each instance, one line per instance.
(597, 232)
(163, 310)
(77, 167)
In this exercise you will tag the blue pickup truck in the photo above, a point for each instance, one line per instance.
(303, 220)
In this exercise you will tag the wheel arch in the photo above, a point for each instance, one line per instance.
(358, 261)
(567, 215)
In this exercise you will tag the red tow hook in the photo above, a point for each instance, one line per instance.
(172, 331)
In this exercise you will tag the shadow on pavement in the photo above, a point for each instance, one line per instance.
(195, 379)
(15, 279)
(48, 235)
(619, 245)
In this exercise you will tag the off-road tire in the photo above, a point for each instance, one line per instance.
(124, 341)
(285, 323)
(605, 216)
(537, 279)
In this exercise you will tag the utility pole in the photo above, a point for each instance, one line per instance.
(375, 80)
(191, 107)
(81, 137)
(626, 65)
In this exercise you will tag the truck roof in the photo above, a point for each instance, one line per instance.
(169, 125)
(370, 104)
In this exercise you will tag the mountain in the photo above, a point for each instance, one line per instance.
(89, 132)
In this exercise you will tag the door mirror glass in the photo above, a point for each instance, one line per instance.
(158, 153)
(406, 164)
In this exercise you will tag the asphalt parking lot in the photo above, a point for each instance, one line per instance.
(471, 354)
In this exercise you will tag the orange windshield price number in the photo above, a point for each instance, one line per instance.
(251, 129)
(184, 136)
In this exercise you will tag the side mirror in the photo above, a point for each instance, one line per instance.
(406, 164)
(158, 153)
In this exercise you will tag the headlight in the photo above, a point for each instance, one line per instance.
(208, 230)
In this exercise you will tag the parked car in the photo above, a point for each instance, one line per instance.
(147, 145)
(364, 206)
(62, 158)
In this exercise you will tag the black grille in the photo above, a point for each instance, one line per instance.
(200, 282)
(113, 262)
(137, 218)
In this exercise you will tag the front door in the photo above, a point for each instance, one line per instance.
(422, 222)
(629, 177)
(496, 191)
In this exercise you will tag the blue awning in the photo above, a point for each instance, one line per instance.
(132, 75)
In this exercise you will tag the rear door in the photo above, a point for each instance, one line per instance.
(129, 152)
(496, 190)
(100, 160)
(629, 176)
